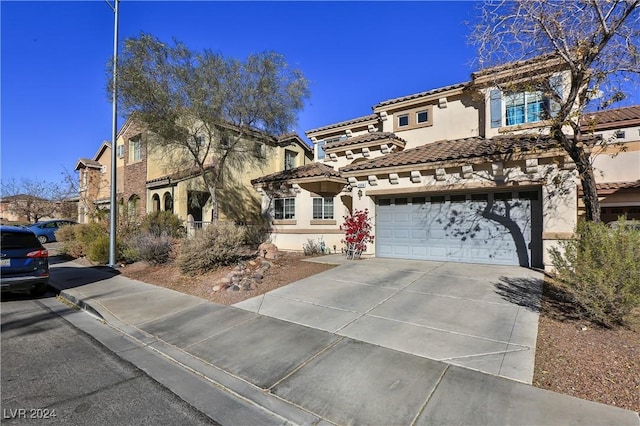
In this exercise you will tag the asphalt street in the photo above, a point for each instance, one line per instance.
(54, 373)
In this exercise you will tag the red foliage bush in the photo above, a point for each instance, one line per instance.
(357, 227)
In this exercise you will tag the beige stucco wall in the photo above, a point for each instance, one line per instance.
(453, 121)
(291, 235)
(618, 164)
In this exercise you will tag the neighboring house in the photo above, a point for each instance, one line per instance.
(150, 180)
(14, 208)
(460, 173)
(94, 184)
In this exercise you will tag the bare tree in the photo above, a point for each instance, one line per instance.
(204, 107)
(34, 199)
(593, 42)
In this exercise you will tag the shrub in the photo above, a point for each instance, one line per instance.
(312, 247)
(99, 250)
(216, 246)
(77, 239)
(601, 269)
(149, 247)
(66, 233)
(357, 227)
(162, 223)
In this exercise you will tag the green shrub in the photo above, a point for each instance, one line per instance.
(162, 223)
(66, 233)
(77, 239)
(99, 250)
(256, 234)
(215, 246)
(601, 269)
(150, 247)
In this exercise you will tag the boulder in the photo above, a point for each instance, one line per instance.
(268, 251)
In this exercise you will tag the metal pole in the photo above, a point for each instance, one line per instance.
(113, 213)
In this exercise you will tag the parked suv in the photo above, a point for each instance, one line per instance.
(24, 263)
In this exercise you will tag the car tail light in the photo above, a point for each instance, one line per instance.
(38, 253)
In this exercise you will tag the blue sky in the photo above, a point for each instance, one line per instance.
(55, 108)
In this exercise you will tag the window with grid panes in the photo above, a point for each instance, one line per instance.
(284, 208)
(323, 208)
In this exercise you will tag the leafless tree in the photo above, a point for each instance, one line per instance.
(594, 42)
(35, 199)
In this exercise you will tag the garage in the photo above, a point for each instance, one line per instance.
(501, 227)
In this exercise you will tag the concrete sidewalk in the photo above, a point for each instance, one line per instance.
(290, 373)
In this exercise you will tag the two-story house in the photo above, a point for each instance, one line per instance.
(151, 179)
(461, 173)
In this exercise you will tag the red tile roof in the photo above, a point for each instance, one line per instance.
(456, 150)
(364, 138)
(344, 123)
(306, 171)
(421, 94)
(611, 119)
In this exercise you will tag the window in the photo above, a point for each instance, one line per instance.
(289, 159)
(323, 208)
(457, 198)
(284, 208)
(437, 199)
(479, 197)
(400, 201)
(260, 150)
(321, 150)
(413, 118)
(525, 107)
(135, 149)
(85, 178)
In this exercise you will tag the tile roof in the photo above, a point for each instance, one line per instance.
(88, 163)
(306, 171)
(475, 147)
(421, 94)
(367, 137)
(345, 123)
(612, 186)
(611, 119)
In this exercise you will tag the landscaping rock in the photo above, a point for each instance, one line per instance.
(233, 288)
(268, 251)
(257, 275)
(216, 288)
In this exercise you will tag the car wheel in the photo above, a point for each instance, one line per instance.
(43, 239)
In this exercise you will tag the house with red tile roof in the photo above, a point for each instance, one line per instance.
(464, 173)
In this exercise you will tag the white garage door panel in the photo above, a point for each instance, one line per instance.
(459, 231)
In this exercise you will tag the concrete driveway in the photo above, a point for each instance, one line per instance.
(481, 317)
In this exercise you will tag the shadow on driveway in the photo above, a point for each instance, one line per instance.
(525, 292)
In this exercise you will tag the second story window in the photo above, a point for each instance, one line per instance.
(289, 159)
(321, 150)
(284, 208)
(403, 120)
(135, 149)
(525, 107)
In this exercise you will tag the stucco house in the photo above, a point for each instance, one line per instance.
(461, 173)
(150, 179)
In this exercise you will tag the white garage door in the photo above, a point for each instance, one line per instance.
(498, 228)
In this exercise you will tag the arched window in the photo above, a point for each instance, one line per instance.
(168, 202)
(155, 202)
(133, 205)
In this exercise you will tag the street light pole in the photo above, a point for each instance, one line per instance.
(113, 211)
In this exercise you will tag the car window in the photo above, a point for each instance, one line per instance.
(50, 225)
(14, 240)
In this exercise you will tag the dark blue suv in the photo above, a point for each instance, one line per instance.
(24, 263)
